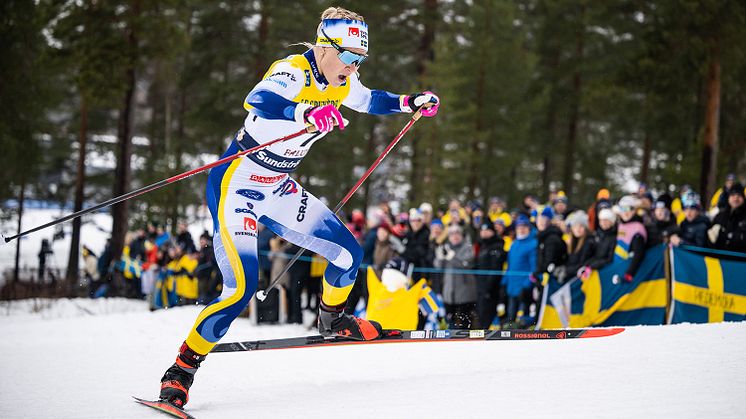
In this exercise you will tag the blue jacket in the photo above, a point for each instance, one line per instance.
(521, 258)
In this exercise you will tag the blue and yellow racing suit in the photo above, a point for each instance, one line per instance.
(258, 188)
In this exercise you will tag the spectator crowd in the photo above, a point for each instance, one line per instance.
(488, 263)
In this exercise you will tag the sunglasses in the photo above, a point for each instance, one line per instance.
(346, 56)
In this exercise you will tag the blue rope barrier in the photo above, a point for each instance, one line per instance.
(712, 251)
(364, 266)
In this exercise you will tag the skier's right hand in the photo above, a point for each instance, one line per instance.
(325, 118)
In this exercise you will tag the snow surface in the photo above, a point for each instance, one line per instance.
(85, 358)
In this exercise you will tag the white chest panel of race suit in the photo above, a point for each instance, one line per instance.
(289, 80)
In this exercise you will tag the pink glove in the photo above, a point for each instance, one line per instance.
(416, 101)
(584, 272)
(324, 118)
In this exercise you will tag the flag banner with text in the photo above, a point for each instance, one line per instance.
(707, 289)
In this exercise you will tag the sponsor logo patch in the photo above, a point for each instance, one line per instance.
(353, 32)
(249, 224)
(288, 187)
(417, 334)
(283, 74)
(505, 334)
(275, 163)
(303, 206)
(294, 152)
(532, 335)
(244, 211)
(251, 194)
(266, 179)
(441, 334)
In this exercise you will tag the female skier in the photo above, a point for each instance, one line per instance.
(295, 92)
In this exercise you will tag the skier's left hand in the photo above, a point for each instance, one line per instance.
(426, 101)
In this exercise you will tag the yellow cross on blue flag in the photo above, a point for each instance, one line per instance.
(706, 289)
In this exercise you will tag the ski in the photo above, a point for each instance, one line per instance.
(165, 407)
(402, 336)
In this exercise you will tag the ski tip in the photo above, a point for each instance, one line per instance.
(165, 407)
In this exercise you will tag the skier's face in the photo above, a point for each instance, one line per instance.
(335, 71)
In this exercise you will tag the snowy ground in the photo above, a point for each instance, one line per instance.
(84, 359)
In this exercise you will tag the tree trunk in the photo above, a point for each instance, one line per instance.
(261, 47)
(124, 171)
(71, 276)
(712, 122)
(572, 130)
(21, 200)
(372, 153)
(647, 149)
(425, 54)
(545, 176)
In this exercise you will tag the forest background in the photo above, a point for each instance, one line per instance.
(537, 95)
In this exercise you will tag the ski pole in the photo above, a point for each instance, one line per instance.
(162, 183)
(262, 294)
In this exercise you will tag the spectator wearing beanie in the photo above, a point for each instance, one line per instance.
(387, 247)
(581, 247)
(438, 236)
(489, 288)
(521, 258)
(416, 241)
(604, 243)
(662, 225)
(602, 201)
(561, 206)
(693, 230)
(720, 197)
(502, 231)
(426, 209)
(631, 234)
(552, 250)
(729, 227)
(459, 289)
(497, 211)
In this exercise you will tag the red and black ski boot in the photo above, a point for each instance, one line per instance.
(333, 321)
(179, 377)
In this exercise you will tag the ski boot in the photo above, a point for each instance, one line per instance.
(179, 377)
(333, 321)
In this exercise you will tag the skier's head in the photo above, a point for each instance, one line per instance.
(341, 44)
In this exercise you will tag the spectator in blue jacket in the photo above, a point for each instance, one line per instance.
(522, 260)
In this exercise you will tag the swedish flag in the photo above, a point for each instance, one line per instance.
(602, 301)
(706, 289)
